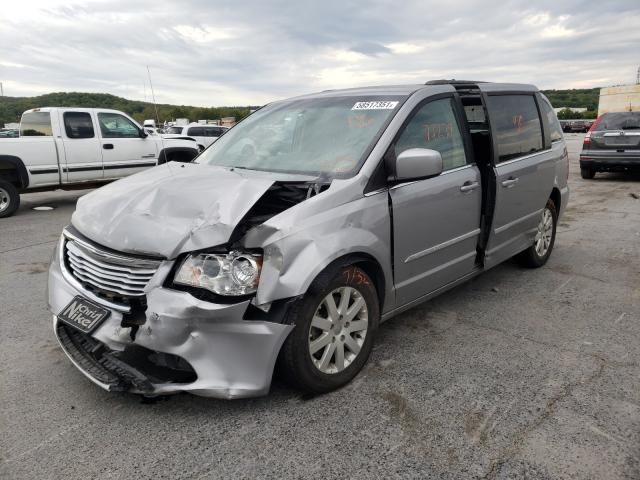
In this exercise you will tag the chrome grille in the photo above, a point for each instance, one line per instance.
(107, 274)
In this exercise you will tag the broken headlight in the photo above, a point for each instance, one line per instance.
(230, 274)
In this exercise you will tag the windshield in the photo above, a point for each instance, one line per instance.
(173, 130)
(318, 136)
(619, 121)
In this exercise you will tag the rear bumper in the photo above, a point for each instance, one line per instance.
(212, 346)
(610, 160)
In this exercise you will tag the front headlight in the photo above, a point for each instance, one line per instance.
(230, 274)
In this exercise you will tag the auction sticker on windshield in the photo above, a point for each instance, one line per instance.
(378, 105)
(83, 314)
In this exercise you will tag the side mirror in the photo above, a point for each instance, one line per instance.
(142, 133)
(417, 163)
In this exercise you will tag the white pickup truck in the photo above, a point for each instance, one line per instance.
(68, 148)
(203, 134)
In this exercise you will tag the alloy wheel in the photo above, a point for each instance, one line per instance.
(338, 330)
(544, 234)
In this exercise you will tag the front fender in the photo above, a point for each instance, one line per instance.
(300, 247)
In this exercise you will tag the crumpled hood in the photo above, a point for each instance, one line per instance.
(169, 209)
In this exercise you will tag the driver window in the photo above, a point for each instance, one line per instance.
(434, 126)
(113, 125)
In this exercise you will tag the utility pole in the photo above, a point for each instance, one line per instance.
(637, 77)
(2, 89)
(153, 96)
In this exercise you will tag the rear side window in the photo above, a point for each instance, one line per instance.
(36, 124)
(78, 125)
(619, 121)
(515, 124)
(196, 131)
(113, 125)
(555, 130)
(434, 126)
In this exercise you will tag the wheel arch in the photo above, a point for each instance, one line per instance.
(17, 172)
(364, 261)
(556, 197)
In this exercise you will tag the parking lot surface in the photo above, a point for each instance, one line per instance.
(515, 374)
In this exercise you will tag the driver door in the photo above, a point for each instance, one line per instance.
(436, 221)
(124, 152)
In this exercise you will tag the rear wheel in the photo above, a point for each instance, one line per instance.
(9, 199)
(537, 254)
(335, 324)
(587, 173)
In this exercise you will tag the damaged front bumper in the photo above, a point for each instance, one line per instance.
(181, 345)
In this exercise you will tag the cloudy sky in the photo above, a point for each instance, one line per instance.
(213, 53)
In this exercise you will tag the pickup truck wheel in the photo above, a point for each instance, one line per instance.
(587, 173)
(335, 324)
(9, 199)
(537, 254)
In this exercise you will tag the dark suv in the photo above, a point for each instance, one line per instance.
(612, 144)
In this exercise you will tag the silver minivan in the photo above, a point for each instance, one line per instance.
(291, 238)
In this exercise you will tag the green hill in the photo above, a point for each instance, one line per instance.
(584, 97)
(11, 108)
(579, 98)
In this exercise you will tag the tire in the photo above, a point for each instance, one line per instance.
(537, 254)
(9, 199)
(319, 372)
(587, 173)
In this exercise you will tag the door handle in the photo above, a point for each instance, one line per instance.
(510, 182)
(469, 186)
(108, 146)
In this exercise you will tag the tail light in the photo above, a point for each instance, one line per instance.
(587, 138)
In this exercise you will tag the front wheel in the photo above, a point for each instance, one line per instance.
(537, 254)
(335, 324)
(9, 199)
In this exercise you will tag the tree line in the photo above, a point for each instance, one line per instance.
(11, 108)
(576, 98)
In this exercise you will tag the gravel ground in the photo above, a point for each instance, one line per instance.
(515, 374)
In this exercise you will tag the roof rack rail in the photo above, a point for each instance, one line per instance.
(453, 81)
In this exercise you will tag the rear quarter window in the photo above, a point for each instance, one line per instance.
(78, 125)
(36, 124)
(555, 130)
(516, 125)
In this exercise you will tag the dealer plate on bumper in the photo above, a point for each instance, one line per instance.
(83, 314)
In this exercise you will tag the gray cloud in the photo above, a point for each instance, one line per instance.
(251, 52)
